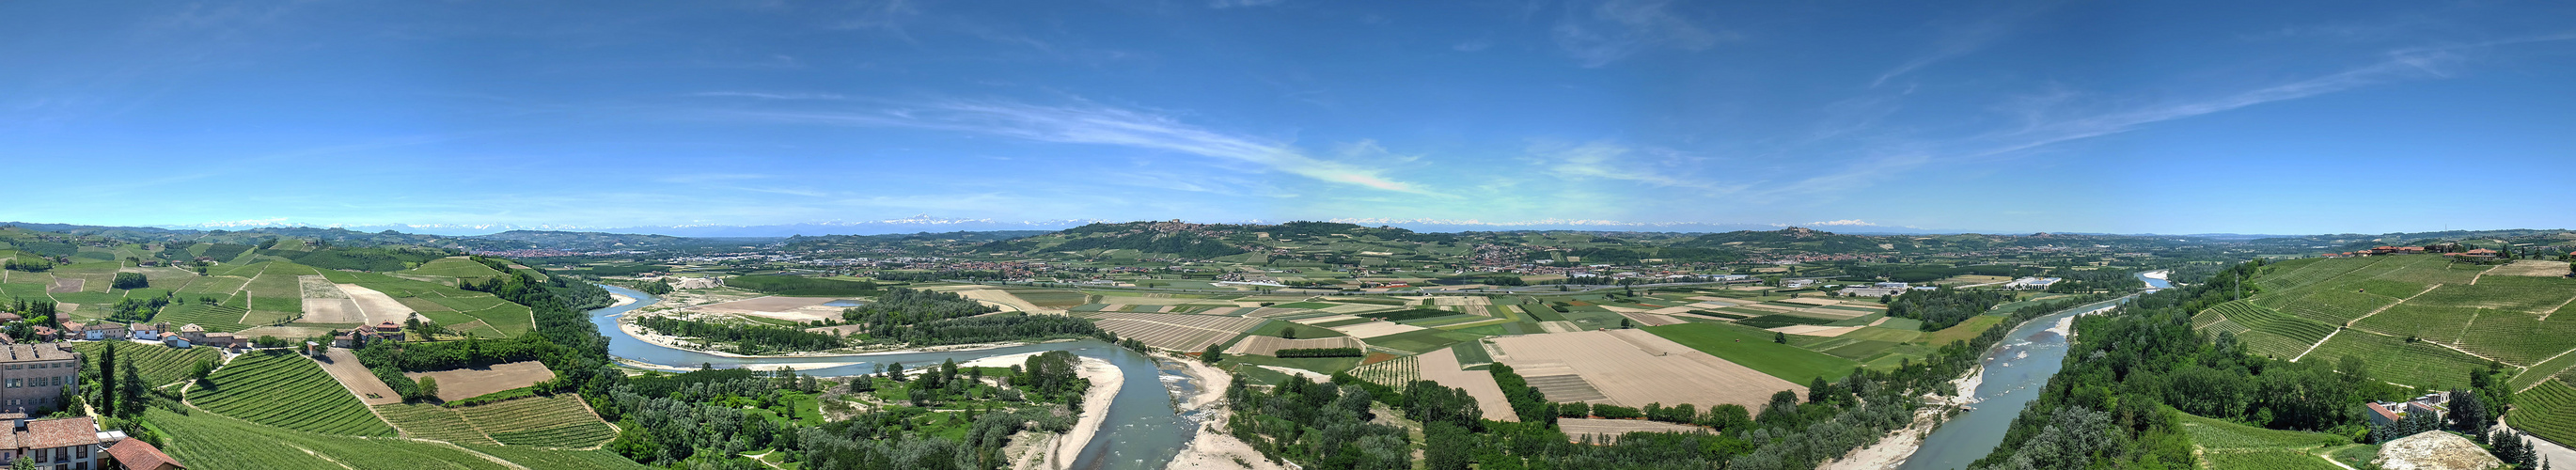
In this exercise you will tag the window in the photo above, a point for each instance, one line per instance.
(84, 452)
(13, 383)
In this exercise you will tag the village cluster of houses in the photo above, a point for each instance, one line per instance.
(187, 335)
(35, 375)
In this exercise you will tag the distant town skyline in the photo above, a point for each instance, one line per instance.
(1999, 117)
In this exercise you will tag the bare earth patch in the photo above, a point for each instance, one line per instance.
(459, 384)
(2532, 268)
(343, 365)
(1634, 368)
(1442, 366)
(1606, 431)
(801, 309)
(377, 306)
(66, 285)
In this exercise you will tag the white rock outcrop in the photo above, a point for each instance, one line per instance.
(2434, 451)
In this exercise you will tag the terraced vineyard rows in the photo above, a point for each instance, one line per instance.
(211, 442)
(557, 421)
(2274, 334)
(2334, 307)
(2519, 338)
(2395, 360)
(2426, 322)
(2548, 411)
(553, 459)
(432, 422)
(158, 364)
(2544, 371)
(286, 390)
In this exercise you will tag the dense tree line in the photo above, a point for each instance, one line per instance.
(27, 265)
(1320, 352)
(1009, 327)
(2093, 280)
(1526, 401)
(901, 307)
(1942, 308)
(1408, 314)
(129, 281)
(745, 339)
(799, 285)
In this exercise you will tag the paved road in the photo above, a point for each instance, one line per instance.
(2557, 456)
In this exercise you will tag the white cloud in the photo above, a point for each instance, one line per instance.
(1102, 125)
(1605, 160)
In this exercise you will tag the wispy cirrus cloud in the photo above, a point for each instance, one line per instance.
(1606, 160)
(1597, 33)
(1087, 123)
(1960, 39)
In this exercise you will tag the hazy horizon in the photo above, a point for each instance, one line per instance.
(2000, 117)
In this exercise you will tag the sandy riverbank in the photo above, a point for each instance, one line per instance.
(1214, 448)
(1105, 382)
(622, 300)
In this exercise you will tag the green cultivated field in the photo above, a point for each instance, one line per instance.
(213, 318)
(1753, 348)
(2430, 323)
(1421, 341)
(533, 457)
(286, 390)
(456, 267)
(2389, 300)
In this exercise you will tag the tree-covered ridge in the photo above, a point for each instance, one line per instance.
(2129, 373)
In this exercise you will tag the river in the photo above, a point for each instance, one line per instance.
(1148, 425)
(2017, 369)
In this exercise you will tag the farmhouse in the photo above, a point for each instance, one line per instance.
(63, 443)
(386, 331)
(100, 331)
(36, 375)
(2032, 283)
(2390, 412)
(148, 331)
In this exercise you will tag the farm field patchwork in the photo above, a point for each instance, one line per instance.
(1186, 333)
(1753, 348)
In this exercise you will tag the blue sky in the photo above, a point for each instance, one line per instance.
(2163, 117)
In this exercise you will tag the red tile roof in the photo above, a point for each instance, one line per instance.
(65, 432)
(138, 455)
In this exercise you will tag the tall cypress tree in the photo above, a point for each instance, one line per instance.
(107, 389)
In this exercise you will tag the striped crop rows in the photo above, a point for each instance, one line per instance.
(286, 390)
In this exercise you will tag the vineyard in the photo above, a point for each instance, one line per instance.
(2544, 371)
(2547, 411)
(2274, 334)
(2426, 322)
(1393, 372)
(557, 421)
(551, 459)
(158, 364)
(2395, 360)
(286, 390)
(2336, 306)
(210, 442)
(213, 318)
(2518, 338)
(2231, 445)
(432, 422)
